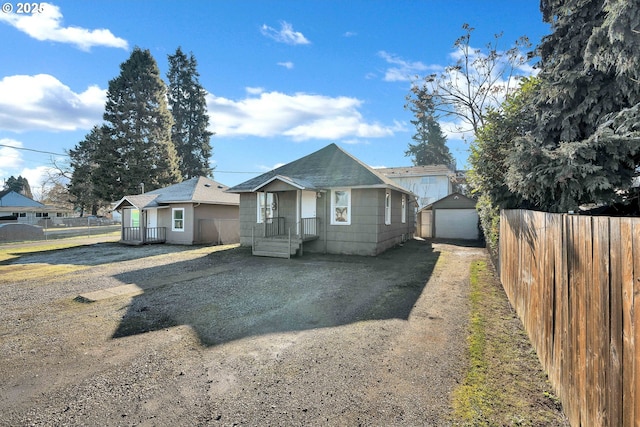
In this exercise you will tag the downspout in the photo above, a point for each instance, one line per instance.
(196, 233)
(327, 220)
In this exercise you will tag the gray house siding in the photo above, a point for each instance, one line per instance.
(367, 234)
(165, 219)
(248, 217)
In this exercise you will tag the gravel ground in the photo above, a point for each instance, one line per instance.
(219, 337)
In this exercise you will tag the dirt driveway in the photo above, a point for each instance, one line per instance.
(218, 337)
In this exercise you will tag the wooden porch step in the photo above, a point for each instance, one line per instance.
(271, 254)
(275, 247)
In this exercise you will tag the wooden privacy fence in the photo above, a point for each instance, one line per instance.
(575, 283)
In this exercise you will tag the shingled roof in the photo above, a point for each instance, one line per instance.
(194, 190)
(329, 167)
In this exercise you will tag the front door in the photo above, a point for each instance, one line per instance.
(152, 223)
(308, 210)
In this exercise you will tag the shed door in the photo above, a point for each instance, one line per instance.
(456, 224)
(425, 224)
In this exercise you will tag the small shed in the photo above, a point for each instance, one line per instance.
(452, 217)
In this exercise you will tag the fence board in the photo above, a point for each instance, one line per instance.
(575, 281)
(636, 311)
(628, 391)
(614, 370)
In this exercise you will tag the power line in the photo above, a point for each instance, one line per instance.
(67, 155)
(31, 149)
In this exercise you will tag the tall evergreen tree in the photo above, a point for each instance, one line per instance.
(136, 146)
(585, 145)
(83, 164)
(20, 185)
(188, 107)
(431, 144)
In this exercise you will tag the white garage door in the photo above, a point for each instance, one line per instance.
(457, 224)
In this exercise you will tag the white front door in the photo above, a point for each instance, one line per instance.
(152, 218)
(152, 223)
(308, 210)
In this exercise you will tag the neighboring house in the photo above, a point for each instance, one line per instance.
(429, 183)
(25, 210)
(195, 211)
(452, 217)
(328, 200)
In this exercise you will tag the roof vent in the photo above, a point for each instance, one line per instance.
(220, 186)
(207, 185)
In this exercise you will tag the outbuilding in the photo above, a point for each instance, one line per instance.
(452, 217)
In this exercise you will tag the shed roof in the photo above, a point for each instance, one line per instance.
(194, 190)
(329, 167)
(452, 201)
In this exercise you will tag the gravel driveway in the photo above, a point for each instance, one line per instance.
(218, 337)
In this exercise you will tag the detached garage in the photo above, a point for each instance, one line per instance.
(452, 217)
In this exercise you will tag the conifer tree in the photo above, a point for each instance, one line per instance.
(188, 107)
(585, 145)
(431, 144)
(136, 147)
(83, 164)
(20, 185)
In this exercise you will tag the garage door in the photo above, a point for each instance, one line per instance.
(457, 224)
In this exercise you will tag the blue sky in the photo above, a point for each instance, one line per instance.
(284, 78)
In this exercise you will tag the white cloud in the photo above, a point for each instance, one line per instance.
(10, 158)
(38, 179)
(46, 25)
(269, 168)
(42, 102)
(285, 34)
(403, 70)
(350, 34)
(254, 90)
(13, 164)
(299, 117)
(288, 65)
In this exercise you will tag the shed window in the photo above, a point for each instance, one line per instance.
(341, 207)
(387, 207)
(178, 219)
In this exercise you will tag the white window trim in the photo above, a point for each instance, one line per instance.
(259, 214)
(387, 207)
(333, 207)
(404, 209)
(173, 219)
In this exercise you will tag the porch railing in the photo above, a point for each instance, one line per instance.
(274, 226)
(309, 226)
(151, 234)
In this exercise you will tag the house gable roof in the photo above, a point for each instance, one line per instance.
(194, 190)
(329, 167)
(416, 171)
(10, 198)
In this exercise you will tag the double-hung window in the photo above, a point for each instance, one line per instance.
(266, 206)
(404, 208)
(341, 207)
(177, 222)
(387, 207)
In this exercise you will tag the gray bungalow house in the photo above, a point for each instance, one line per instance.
(328, 202)
(195, 211)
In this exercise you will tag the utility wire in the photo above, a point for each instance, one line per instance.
(67, 155)
(31, 149)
